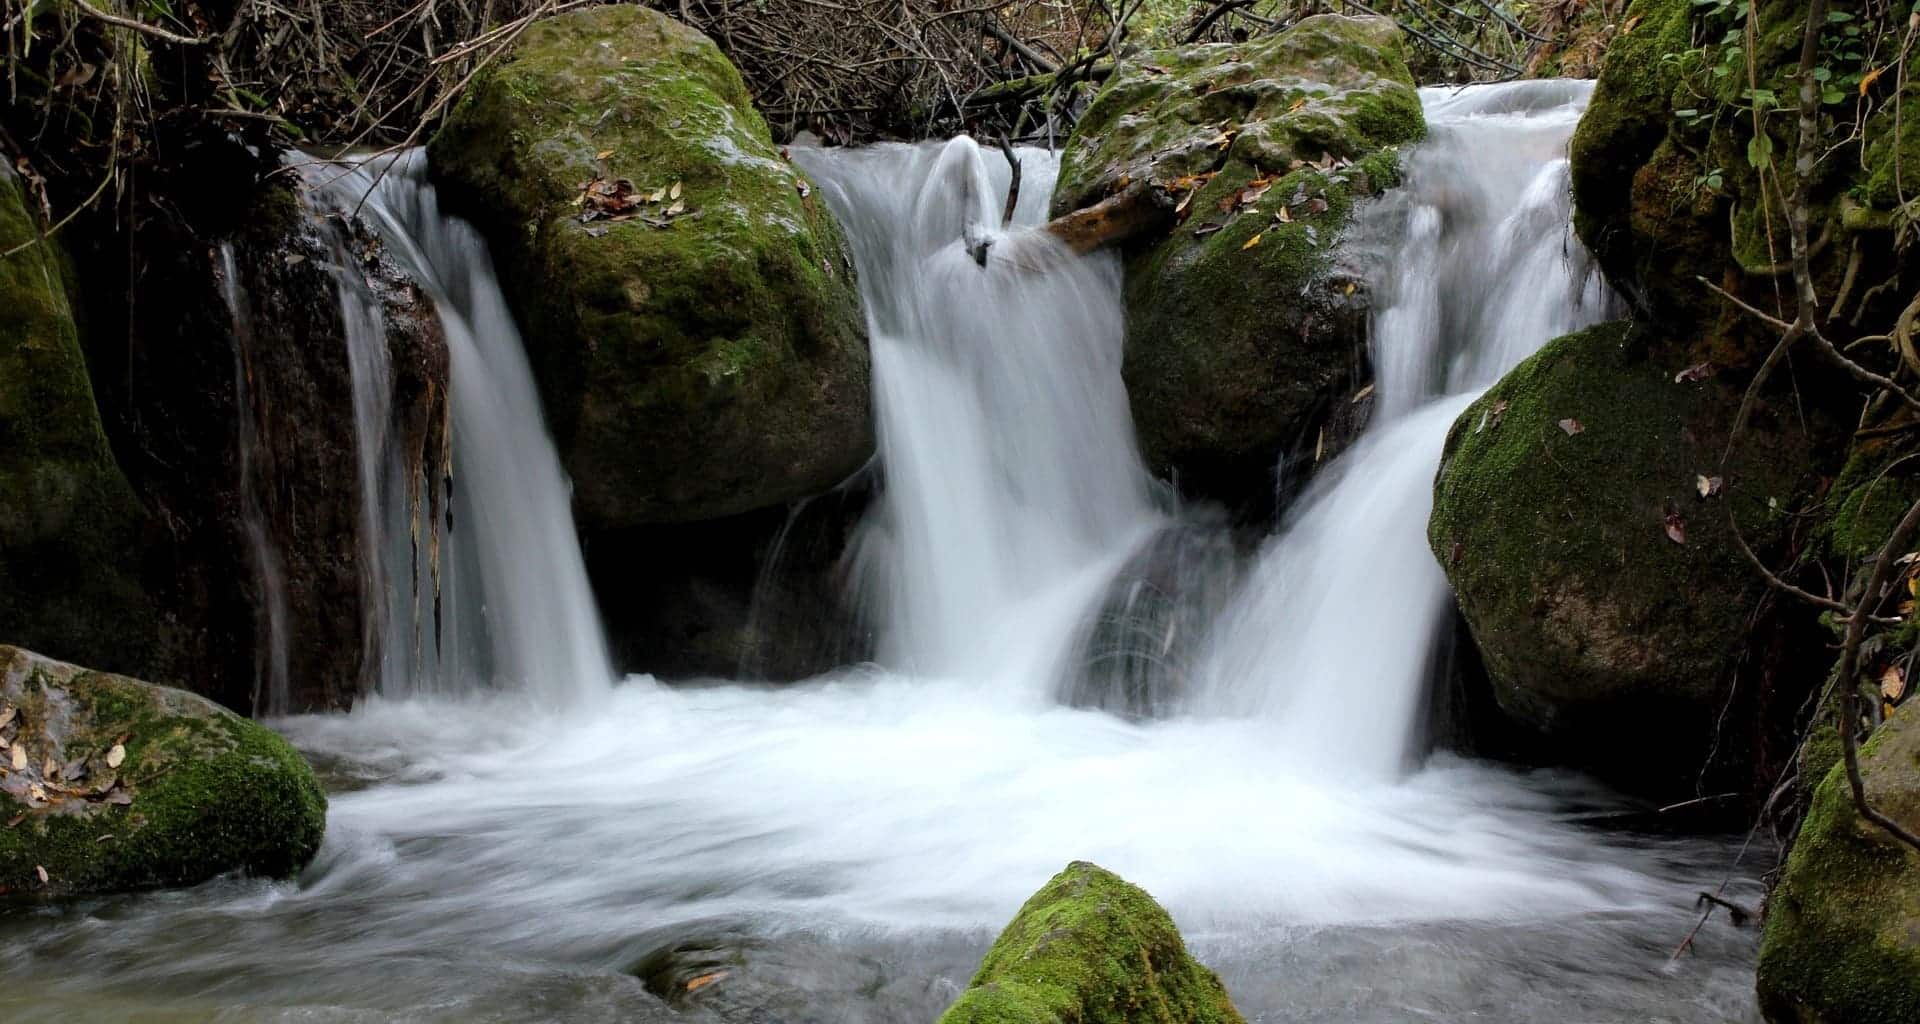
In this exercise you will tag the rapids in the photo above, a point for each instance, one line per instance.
(513, 836)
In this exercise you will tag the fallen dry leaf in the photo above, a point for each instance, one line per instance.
(19, 758)
(1571, 426)
(1893, 683)
(1708, 486)
(116, 756)
(1251, 242)
(42, 872)
(6, 715)
(674, 192)
(1676, 528)
(1693, 374)
(704, 980)
(1867, 80)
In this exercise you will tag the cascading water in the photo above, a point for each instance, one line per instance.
(1011, 475)
(843, 850)
(1332, 639)
(272, 689)
(511, 602)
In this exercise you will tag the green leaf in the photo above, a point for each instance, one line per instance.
(1759, 150)
(1832, 96)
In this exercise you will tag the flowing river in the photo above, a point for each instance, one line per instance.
(514, 835)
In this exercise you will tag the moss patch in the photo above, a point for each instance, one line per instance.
(70, 525)
(1842, 939)
(702, 369)
(199, 792)
(1234, 347)
(1093, 949)
(1589, 614)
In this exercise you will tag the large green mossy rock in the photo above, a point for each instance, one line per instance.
(1606, 593)
(1842, 940)
(707, 367)
(70, 525)
(1091, 948)
(195, 790)
(1237, 350)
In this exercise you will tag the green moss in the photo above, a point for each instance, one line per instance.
(1093, 949)
(702, 369)
(1329, 86)
(1868, 498)
(70, 526)
(1842, 939)
(1557, 544)
(1234, 347)
(210, 792)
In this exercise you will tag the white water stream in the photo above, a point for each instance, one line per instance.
(843, 849)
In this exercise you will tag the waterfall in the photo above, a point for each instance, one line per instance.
(504, 599)
(1012, 480)
(1333, 636)
(272, 692)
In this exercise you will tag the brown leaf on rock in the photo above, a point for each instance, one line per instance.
(19, 757)
(1893, 683)
(1676, 528)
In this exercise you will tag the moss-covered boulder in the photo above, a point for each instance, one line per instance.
(110, 784)
(1842, 940)
(1091, 948)
(700, 354)
(70, 525)
(1243, 340)
(1581, 512)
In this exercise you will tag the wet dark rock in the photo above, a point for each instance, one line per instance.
(1603, 589)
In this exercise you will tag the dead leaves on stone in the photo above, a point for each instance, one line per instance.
(46, 782)
(617, 199)
(1301, 203)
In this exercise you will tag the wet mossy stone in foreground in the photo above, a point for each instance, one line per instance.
(1091, 948)
(702, 355)
(121, 785)
(1842, 942)
(1242, 333)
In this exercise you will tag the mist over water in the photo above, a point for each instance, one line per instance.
(850, 845)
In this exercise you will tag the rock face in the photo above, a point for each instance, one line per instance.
(1605, 592)
(1664, 185)
(1842, 938)
(121, 785)
(71, 527)
(705, 357)
(1090, 947)
(1244, 338)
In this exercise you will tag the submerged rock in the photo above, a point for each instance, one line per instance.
(1842, 938)
(71, 526)
(1090, 947)
(1244, 340)
(111, 784)
(697, 335)
(1581, 512)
